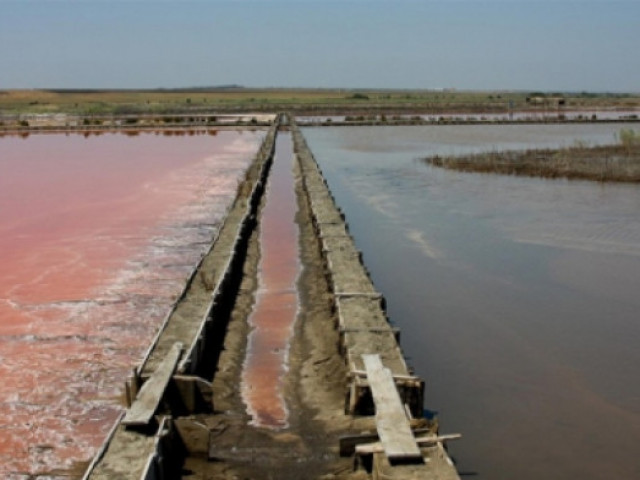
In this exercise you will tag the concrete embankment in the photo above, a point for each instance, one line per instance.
(363, 325)
(211, 288)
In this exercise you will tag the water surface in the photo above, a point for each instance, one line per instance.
(276, 307)
(549, 114)
(516, 297)
(97, 236)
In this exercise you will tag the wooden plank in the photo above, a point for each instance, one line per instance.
(148, 399)
(373, 295)
(348, 443)
(391, 421)
(384, 329)
(371, 448)
(407, 378)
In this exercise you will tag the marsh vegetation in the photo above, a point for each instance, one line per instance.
(237, 99)
(605, 163)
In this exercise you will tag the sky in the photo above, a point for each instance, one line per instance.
(547, 45)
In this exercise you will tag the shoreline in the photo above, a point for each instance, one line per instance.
(204, 123)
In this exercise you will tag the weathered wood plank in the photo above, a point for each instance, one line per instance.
(348, 443)
(391, 421)
(150, 395)
(371, 448)
(396, 377)
(373, 295)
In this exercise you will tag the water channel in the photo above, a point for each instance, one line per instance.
(516, 297)
(276, 306)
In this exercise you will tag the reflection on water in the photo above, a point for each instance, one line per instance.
(277, 301)
(96, 238)
(517, 297)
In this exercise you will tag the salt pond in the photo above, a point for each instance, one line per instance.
(97, 236)
(516, 297)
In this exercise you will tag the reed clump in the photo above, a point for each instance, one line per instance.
(611, 163)
(615, 163)
(605, 164)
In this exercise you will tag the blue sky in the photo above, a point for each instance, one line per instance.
(552, 45)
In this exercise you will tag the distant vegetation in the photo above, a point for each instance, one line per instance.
(301, 101)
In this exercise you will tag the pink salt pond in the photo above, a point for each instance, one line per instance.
(96, 238)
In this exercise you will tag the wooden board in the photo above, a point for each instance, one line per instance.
(391, 421)
(396, 378)
(149, 396)
(348, 443)
(371, 448)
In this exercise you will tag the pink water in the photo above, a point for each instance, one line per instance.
(276, 306)
(96, 238)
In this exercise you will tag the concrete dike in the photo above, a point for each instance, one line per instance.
(355, 407)
(363, 324)
(364, 330)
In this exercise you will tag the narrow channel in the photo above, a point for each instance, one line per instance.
(276, 307)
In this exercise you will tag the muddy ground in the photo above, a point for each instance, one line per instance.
(315, 388)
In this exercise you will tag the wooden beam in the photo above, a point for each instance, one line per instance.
(348, 443)
(148, 399)
(371, 448)
(392, 424)
(384, 329)
(408, 378)
(373, 295)
(196, 393)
